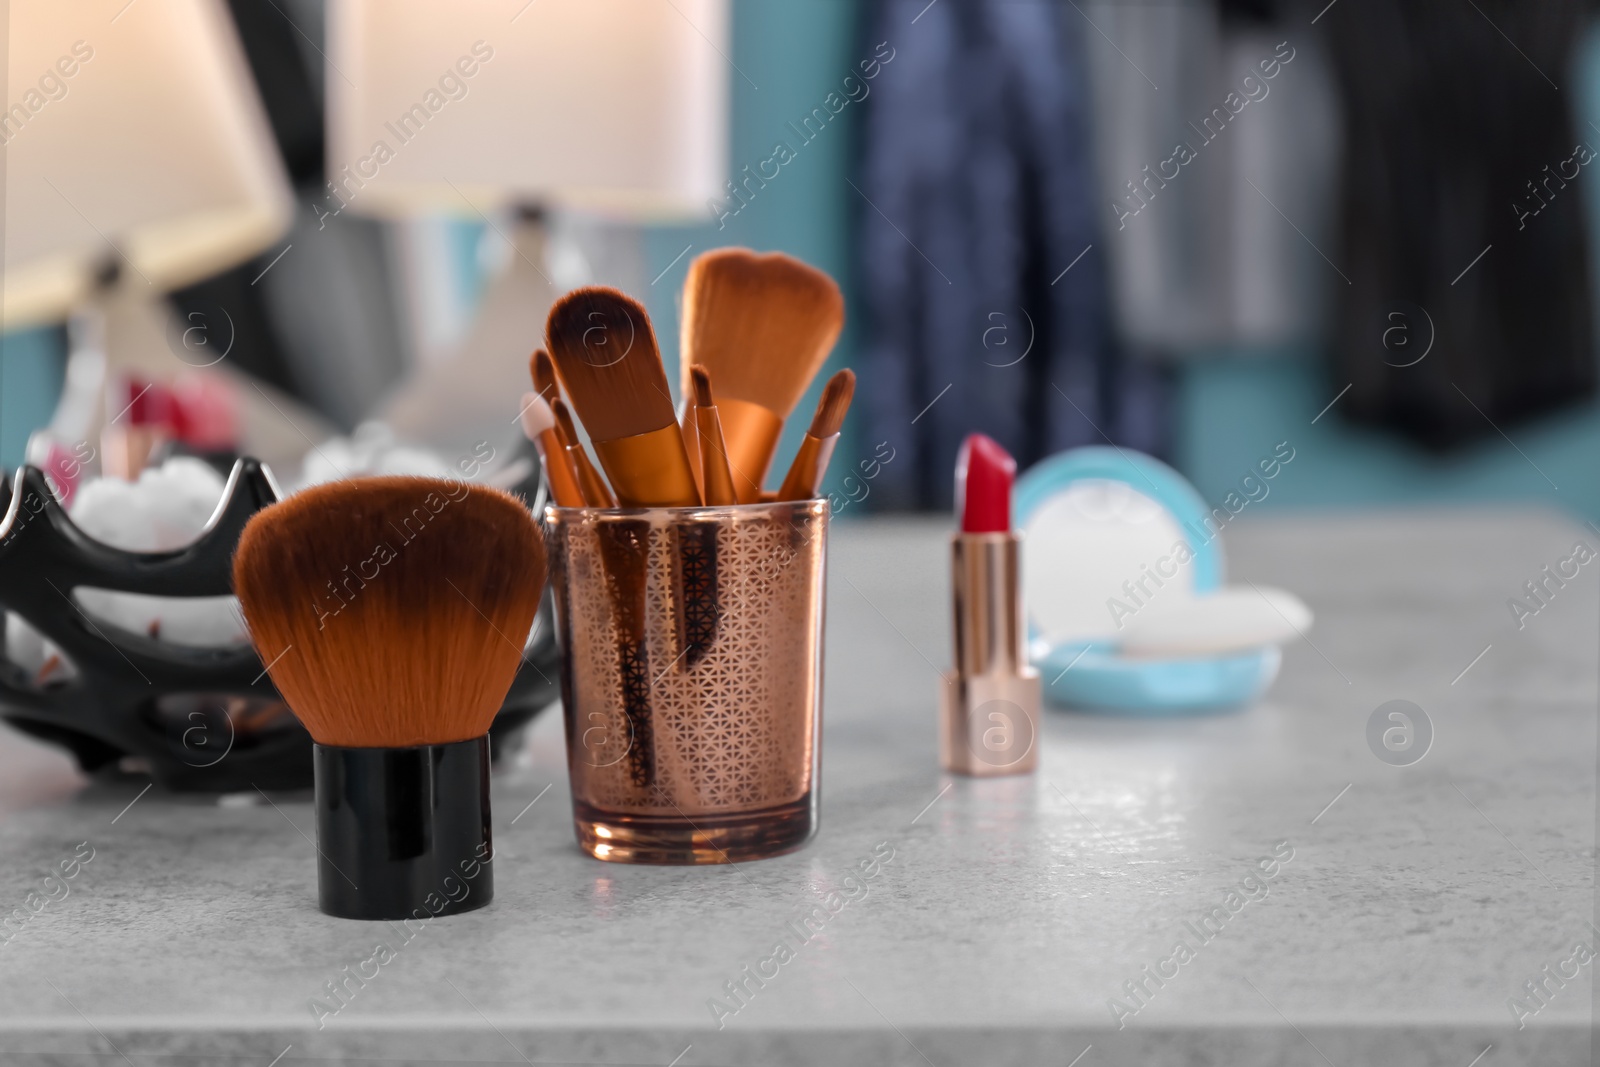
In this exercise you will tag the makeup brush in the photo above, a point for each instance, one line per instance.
(597, 494)
(539, 425)
(605, 351)
(392, 612)
(804, 479)
(715, 476)
(543, 372)
(762, 325)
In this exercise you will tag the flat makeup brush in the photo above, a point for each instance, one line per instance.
(715, 476)
(605, 351)
(392, 612)
(539, 426)
(804, 479)
(762, 325)
(597, 494)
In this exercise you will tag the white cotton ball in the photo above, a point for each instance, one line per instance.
(413, 461)
(181, 495)
(113, 511)
(167, 508)
(371, 450)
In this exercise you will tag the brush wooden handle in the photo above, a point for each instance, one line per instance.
(715, 474)
(559, 470)
(650, 470)
(595, 492)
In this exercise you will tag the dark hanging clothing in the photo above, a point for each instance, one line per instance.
(1459, 145)
(976, 217)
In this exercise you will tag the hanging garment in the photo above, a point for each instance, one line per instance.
(1216, 139)
(1463, 223)
(979, 248)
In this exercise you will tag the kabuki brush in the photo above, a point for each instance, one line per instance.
(393, 613)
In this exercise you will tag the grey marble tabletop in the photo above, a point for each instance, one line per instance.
(1407, 910)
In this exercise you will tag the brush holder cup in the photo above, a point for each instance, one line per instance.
(691, 677)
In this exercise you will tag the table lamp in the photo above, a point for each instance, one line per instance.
(469, 108)
(138, 160)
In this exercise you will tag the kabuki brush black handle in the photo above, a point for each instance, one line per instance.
(403, 832)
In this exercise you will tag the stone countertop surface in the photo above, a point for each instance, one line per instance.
(1011, 913)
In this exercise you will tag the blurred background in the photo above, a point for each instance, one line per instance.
(1196, 229)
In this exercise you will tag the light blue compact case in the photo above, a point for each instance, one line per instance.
(1109, 533)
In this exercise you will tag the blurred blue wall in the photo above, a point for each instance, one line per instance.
(1232, 412)
(32, 367)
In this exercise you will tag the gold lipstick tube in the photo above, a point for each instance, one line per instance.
(989, 703)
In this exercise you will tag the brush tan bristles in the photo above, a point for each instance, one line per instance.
(543, 371)
(605, 351)
(392, 611)
(762, 324)
(836, 396)
(701, 379)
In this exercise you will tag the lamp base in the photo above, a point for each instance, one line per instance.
(460, 401)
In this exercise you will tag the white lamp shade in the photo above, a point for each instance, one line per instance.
(131, 129)
(617, 106)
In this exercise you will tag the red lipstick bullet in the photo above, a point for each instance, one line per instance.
(984, 475)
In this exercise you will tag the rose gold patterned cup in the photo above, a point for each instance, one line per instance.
(691, 677)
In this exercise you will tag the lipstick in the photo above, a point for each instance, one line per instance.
(989, 706)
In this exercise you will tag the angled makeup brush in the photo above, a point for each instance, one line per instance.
(543, 372)
(804, 479)
(539, 426)
(605, 351)
(762, 325)
(715, 476)
(392, 612)
(596, 493)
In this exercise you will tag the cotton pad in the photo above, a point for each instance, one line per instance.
(1231, 619)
